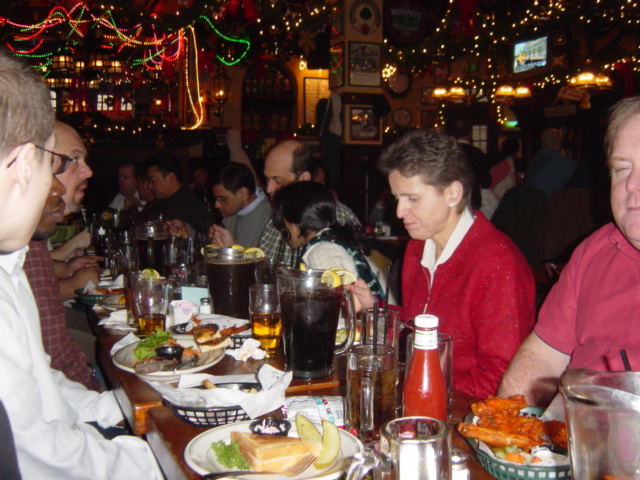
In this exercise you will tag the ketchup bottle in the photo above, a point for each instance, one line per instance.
(425, 393)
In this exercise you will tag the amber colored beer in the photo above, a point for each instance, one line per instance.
(267, 328)
(150, 323)
(384, 401)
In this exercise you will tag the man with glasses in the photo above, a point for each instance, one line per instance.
(245, 209)
(47, 412)
(127, 195)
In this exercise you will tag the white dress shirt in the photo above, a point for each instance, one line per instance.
(46, 410)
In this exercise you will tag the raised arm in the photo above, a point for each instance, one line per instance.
(534, 372)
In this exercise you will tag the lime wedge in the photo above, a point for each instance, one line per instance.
(149, 274)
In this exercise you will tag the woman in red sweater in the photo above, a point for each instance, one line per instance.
(457, 266)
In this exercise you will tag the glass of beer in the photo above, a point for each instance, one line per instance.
(371, 390)
(151, 299)
(266, 322)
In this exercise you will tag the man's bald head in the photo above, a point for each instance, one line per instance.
(287, 162)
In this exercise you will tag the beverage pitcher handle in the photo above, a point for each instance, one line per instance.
(350, 321)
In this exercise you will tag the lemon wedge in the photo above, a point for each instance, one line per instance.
(330, 445)
(149, 274)
(259, 253)
(303, 267)
(346, 276)
(336, 269)
(240, 248)
(331, 278)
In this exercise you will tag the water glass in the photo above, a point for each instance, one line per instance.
(266, 320)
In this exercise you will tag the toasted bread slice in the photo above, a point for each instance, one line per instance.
(272, 453)
(208, 337)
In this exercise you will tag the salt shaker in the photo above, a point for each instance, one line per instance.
(205, 305)
(459, 469)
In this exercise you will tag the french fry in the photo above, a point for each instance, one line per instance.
(208, 384)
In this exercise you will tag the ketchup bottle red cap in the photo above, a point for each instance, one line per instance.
(426, 321)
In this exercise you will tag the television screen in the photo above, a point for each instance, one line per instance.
(530, 55)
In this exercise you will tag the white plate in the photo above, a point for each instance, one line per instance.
(202, 459)
(112, 303)
(126, 360)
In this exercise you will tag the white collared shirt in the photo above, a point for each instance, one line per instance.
(249, 208)
(429, 260)
(47, 411)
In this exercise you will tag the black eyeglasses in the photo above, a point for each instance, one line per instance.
(65, 160)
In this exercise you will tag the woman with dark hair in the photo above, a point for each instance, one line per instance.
(305, 214)
(457, 266)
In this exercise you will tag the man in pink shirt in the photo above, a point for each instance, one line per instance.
(591, 314)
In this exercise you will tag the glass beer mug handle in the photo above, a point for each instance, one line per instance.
(350, 321)
(362, 464)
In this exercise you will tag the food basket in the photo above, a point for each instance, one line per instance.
(214, 416)
(511, 471)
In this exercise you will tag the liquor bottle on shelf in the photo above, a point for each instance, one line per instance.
(425, 393)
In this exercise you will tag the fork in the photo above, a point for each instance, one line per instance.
(292, 471)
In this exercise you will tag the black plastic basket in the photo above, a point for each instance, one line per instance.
(209, 417)
(214, 416)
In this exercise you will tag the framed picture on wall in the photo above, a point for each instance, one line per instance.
(364, 64)
(314, 90)
(362, 127)
(336, 65)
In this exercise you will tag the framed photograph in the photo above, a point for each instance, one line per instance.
(364, 64)
(314, 90)
(362, 127)
(336, 65)
(428, 117)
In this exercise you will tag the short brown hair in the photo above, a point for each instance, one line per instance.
(619, 115)
(26, 115)
(434, 156)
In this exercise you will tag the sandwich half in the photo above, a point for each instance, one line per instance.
(273, 453)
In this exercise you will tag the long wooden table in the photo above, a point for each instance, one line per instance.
(168, 435)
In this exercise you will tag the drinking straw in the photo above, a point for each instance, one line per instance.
(625, 360)
(386, 305)
(375, 327)
(124, 260)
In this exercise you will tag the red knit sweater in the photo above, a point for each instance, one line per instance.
(484, 296)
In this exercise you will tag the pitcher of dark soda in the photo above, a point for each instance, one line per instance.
(152, 240)
(311, 306)
(231, 272)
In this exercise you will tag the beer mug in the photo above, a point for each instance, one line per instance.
(411, 448)
(231, 272)
(310, 312)
(602, 411)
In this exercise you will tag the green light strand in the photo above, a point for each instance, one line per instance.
(74, 23)
(229, 39)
